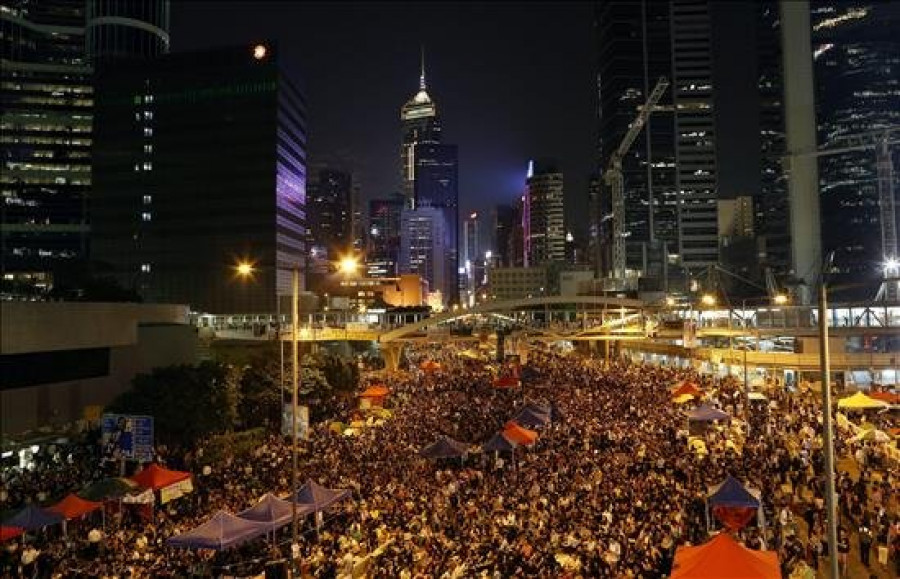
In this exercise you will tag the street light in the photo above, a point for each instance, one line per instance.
(348, 265)
(780, 299)
(708, 300)
(246, 269)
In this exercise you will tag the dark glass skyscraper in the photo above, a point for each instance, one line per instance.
(46, 100)
(437, 186)
(200, 162)
(634, 50)
(383, 253)
(857, 66)
(330, 210)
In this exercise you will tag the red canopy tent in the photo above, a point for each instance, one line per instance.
(7, 533)
(687, 388)
(74, 506)
(156, 477)
(508, 381)
(518, 434)
(724, 558)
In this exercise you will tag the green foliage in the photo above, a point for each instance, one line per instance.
(187, 402)
(234, 444)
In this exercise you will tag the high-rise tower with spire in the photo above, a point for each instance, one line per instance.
(420, 125)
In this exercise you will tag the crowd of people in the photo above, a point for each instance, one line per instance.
(610, 489)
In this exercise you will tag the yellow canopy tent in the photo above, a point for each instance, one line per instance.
(683, 398)
(860, 401)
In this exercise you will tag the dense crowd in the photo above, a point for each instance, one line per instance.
(610, 490)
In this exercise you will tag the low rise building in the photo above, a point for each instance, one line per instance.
(64, 361)
(512, 283)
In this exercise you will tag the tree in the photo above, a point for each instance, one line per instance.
(186, 402)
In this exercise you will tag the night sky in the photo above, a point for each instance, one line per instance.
(512, 82)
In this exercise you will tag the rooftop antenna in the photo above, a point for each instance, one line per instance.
(422, 70)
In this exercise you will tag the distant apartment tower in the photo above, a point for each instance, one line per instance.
(423, 248)
(200, 162)
(856, 50)
(504, 222)
(420, 124)
(330, 211)
(46, 141)
(545, 237)
(383, 235)
(437, 186)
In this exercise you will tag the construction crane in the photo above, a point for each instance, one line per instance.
(616, 181)
(880, 140)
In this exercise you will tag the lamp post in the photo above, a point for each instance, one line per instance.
(828, 428)
(246, 269)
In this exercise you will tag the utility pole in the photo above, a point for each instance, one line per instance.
(827, 429)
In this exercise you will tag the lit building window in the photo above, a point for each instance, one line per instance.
(145, 267)
(148, 199)
(148, 166)
(148, 149)
(148, 132)
(146, 216)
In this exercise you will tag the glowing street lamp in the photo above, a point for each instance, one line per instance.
(348, 265)
(780, 299)
(708, 300)
(244, 269)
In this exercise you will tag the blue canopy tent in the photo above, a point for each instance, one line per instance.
(445, 447)
(317, 497)
(273, 511)
(531, 418)
(32, 517)
(499, 443)
(733, 504)
(222, 531)
(707, 414)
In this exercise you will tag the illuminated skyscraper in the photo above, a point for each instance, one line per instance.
(383, 253)
(545, 235)
(47, 102)
(857, 66)
(420, 125)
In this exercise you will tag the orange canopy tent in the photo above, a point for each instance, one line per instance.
(156, 477)
(74, 506)
(518, 434)
(888, 397)
(429, 366)
(724, 558)
(377, 391)
(687, 388)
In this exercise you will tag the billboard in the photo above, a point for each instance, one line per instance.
(302, 421)
(126, 437)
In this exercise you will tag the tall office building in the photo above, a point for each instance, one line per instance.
(199, 162)
(634, 50)
(420, 124)
(471, 247)
(695, 151)
(330, 211)
(857, 64)
(126, 30)
(437, 186)
(545, 235)
(47, 102)
(383, 247)
(423, 248)
(670, 170)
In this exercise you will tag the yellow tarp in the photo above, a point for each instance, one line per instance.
(683, 398)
